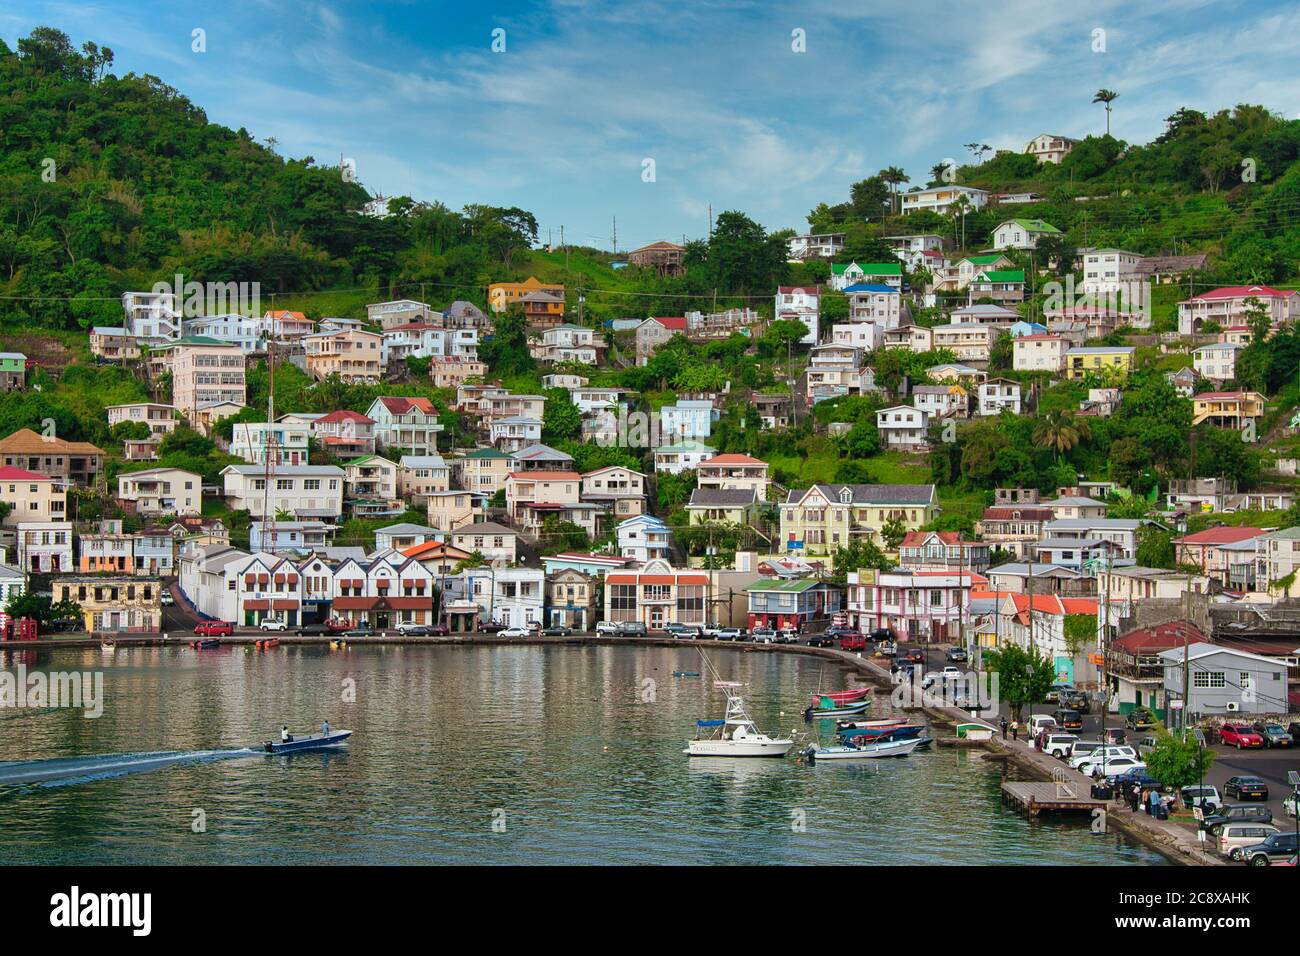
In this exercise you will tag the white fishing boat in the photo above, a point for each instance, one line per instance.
(735, 735)
(870, 751)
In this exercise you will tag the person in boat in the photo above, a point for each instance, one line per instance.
(325, 728)
(285, 736)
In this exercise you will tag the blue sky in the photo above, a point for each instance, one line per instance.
(561, 122)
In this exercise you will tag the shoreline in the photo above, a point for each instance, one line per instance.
(1167, 838)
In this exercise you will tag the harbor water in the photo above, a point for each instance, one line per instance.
(480, 755)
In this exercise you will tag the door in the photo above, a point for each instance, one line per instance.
(656, 618)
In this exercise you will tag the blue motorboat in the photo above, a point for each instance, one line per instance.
(897, 731)
(312, 742)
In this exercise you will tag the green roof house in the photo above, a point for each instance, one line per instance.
(13, 371)
(1022, 233)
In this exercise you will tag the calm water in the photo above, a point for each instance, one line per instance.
(557, 745)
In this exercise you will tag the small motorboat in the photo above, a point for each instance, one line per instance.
(842, 696)
(826, 708)
(206, 642)
(686, 673)
(338, 645)
(311, 742)
(865, 751)
(268, 643)
(108, 644)
(896, 732)
(735, 735)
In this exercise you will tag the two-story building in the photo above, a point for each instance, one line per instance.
(824, 517)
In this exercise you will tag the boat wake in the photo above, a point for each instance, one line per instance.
(65, 771)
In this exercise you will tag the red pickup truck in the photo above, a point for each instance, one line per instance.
(214, 629)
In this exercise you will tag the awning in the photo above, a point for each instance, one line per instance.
(257, 604)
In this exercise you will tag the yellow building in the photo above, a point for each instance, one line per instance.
(502, 294)
(115, 603)
(819, 519)
(1227, 409)
(1099, 360)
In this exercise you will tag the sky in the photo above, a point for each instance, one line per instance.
(718, 96)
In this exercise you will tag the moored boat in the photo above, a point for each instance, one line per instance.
(310, 742)
(686, 673)
(736, 734)
(206, 642)
(866, 751)
(895, 731)
(828, 708)
(842, 696)
(269, 642)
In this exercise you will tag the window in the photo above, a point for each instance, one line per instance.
(1209, 679)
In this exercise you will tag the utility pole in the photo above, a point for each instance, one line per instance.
(1187, 652)
(616, 235)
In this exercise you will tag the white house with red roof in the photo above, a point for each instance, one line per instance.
(942, 551)
(389, 590)
(654, 332)
(345, 433)
(1044, 629)
(1228, 306)
(657, 595)
(406, 422)
(929, 606)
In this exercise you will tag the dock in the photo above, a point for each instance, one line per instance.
(1033, 796)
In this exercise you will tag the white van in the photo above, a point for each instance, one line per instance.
(1234, 836)
(1102, 756)
(1040, 722)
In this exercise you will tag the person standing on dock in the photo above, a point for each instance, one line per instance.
(1015, 730)
(1004, 728)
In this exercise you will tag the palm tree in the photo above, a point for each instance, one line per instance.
(1107, 97)
(959, 207)
(1060, 431)
(937, 171)
(978, 149)
(894, 176)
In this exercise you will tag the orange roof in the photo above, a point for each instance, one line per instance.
(547, 475)
(1051, 604)
(27, 442)
(434, 549)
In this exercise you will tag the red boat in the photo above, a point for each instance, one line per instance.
(843, 696)
(268, 643)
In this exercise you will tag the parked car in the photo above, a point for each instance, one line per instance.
(490, 627)
(608, 628)
(1245, 787)
(1140, 719)
(887, 649)
(166, 599)
(1069, 719)
(1289, 805)
(1238, 813)
(711, 631)
(631, 629)
(1276, 848)
(1146, 744)
(1103, 756)
(557, 630)
(1077, 700)
(1293, 729)
(821, 640)
(1134, 777)
(683, 631)
(882, 634)
(1056, 692)
(1275, 735)
(1058, 745)
(214, 628)
(953, 672)
(787, 635)
(439, 630)
(853, 642)
(1239, 736)
(411, 629)
(1111, 766)
(1081, 748)
(1115, 735)
(274, 624)
(1040, 722)
(360, 630)
(956, 655)
(764, 635)
(839, 630)
(1203, 796)
(514, 632)
(732, 634)
(1232, 838)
